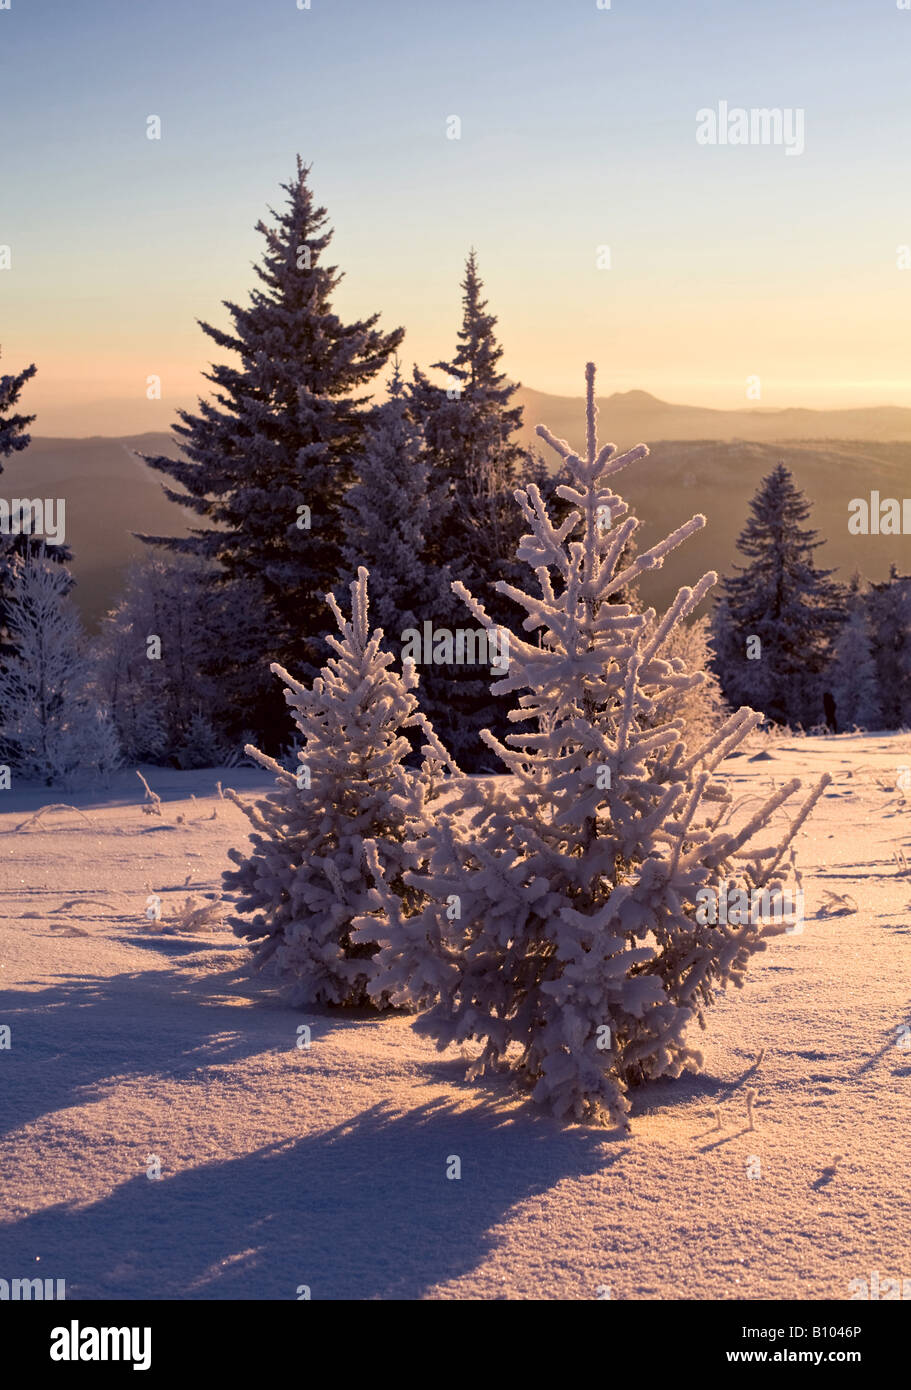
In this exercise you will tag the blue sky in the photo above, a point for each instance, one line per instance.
(578, 130)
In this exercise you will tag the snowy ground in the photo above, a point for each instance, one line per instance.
(282, 1167)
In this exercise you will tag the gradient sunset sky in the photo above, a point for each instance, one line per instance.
(578, 131)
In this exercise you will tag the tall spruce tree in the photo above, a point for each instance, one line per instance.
(780, 598)
(475, 462)
(14, 427)
(18, 541)
(888, 606)
(14, 437)
(268, 462)
(852, 675)
(385, 516)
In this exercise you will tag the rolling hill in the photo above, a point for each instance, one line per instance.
(628, 417)
(703, 461)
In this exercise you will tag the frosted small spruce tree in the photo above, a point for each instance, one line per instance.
(51, 728)
(563, 930)
(700, 708)
(307, 876)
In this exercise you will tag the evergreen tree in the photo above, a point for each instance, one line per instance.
(852, 675)
(51, 730)
(784, 601)
(201, 745)
(18, 542)
(699, 709)
(888, 606)
(386, 518)
(474, 462)
(267, 463)
(307, 876)
(161, 659)
(563, 928)
(14, 427)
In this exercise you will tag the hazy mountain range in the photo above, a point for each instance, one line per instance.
(629, 417)
(701, 460)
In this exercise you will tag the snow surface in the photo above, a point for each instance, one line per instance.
(283, 1167)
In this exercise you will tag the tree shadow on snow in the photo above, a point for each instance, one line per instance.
(667, 1092)
(890, 1046)
(362, 1211)
(69, 1038)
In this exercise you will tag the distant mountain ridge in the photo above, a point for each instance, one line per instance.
(633, 417)
(628, 413)
(110, 493)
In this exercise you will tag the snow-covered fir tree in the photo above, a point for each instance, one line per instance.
(266, 464)
(779, 616)
(700, 709)
(851, 677)
(18, 547)
(14, 434)
(307, 875)
(470, 426)
(161, 657)
(888, 607)
(562, 930)
(18, 540)
(386, 517)
(51, 728)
